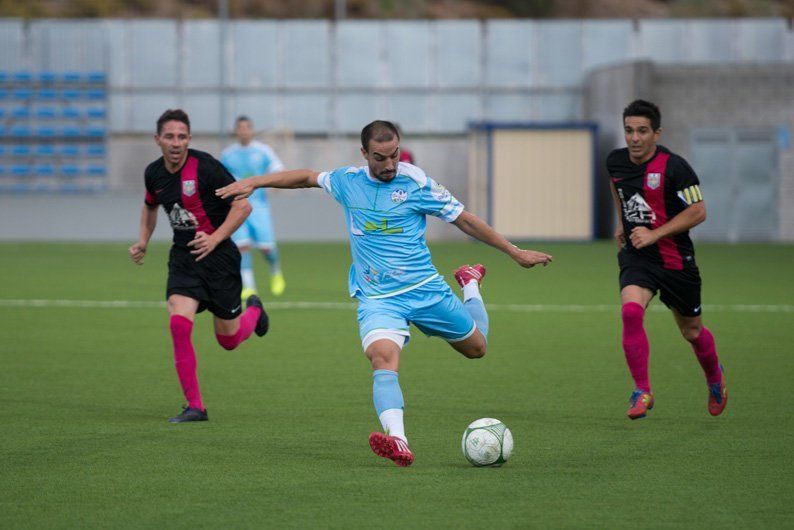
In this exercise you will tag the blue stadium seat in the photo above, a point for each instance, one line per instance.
(3, 93)
(20, 112)
(69, 171)
(95, 150)
(3, 76)
(23, 94)
(2, 171)
(70, 94)
(95, 131)
(95, 170)
(23, 77)
(45, 170)
(21, 150)
(68, 187)
(71, 77)
(70, 131)
(96, 112)
(68, 150)
(70, 112)
(46, 77)
(45, 150)
(96, 77)
(20, 130)
(3, 131)
(2, 113)
(47, 94)
(45, 113)
(20, 170)
(95, 93)
(2, 150)
(45, 131)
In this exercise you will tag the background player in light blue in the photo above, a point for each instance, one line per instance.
(246, 158)
(392, 276)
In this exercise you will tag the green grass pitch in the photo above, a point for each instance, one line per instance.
(85, 392)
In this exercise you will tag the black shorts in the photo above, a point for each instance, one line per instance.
(678, 289)
(214, 281)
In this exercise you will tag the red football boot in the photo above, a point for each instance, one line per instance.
(641, 402)
(392, 448)
(466, 273)
(718, 396)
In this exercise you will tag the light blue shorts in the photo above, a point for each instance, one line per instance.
(257, 230)
(433, 308)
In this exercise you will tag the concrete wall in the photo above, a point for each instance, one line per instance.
(695, 97)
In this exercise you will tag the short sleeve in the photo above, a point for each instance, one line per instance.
(685, 181)
(274, 163)
(439, 202)
(217, 176)
(150, 198)
(335, 182)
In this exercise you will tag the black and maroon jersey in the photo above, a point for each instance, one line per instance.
(188, 196)
(650, 195)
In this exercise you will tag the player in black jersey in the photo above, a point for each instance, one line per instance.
(203, 265)
(658, 200)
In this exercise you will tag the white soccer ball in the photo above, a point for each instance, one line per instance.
(487, 442)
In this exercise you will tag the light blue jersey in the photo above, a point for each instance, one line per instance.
(386, 223)
(253, 159)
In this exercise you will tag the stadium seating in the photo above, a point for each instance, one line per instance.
(53, 129)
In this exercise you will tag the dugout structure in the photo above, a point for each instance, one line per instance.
(533, 180)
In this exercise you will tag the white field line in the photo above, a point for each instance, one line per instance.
(514, 308)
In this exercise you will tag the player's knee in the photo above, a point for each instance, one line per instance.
(691, 332)
(476, 350)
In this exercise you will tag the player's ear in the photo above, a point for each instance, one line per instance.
(363, 152)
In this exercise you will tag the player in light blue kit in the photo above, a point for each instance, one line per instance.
(386, 203)
(245, 159)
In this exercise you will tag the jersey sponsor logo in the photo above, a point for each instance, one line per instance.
(372, 227)
(353, 230)
(636, 210)
(652, 180)
(188, 188)
(374, 276)
(398, 196)
(182, 219)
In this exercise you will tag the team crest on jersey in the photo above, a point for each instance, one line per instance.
(653, 180)
(188, 188)
(398, 196)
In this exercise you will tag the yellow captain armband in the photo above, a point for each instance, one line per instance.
(691, 195)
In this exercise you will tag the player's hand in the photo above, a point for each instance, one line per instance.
(202, 245)
(241, 189)
(530, 258)
(620, 236)
(137, 252)
(642, 237)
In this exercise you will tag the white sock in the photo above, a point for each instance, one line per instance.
(472, 290)
(392, 421)
(248, 279)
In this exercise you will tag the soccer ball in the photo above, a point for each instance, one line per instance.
(487, 442)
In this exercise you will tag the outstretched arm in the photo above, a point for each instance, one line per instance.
(472, 225)
(292, 179)
(147, 225)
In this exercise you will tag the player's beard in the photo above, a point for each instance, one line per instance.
(386, 176)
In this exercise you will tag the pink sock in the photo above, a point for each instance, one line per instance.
(247, 324)
(635, 344)
(185, 360)
(706, 352)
